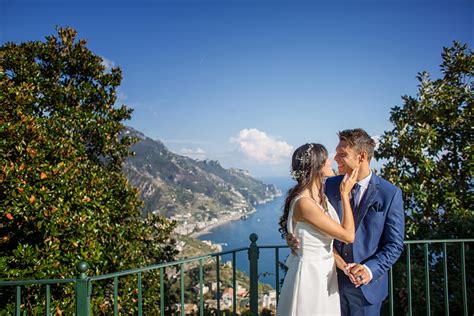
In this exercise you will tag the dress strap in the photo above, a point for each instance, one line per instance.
(289, 221)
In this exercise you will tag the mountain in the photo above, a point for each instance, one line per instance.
(180, 187)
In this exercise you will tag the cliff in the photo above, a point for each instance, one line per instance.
(191, 191)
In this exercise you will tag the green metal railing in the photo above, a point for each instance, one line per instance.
(427, 255)
(47, 290)
(84, 284)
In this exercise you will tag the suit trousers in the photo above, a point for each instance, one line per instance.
(353, 302)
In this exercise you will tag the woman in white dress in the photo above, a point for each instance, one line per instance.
(310, 286)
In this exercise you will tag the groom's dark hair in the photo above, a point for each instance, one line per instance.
(359, 139)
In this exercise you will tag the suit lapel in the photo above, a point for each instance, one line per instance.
(367, 199)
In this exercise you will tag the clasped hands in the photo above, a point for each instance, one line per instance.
(357, 273)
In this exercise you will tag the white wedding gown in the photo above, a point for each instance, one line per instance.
(310, 286)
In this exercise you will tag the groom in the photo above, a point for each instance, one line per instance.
(379, 222)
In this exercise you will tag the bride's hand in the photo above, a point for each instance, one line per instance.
(293, 243)
(348, 182)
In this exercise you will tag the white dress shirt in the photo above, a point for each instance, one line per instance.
(364, 183)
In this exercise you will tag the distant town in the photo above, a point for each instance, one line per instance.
(267, 298)
(200, 223)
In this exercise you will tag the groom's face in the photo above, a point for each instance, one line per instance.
(346, 157)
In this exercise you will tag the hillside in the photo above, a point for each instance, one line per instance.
(190, 190)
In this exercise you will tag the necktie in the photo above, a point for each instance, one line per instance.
(355, 194)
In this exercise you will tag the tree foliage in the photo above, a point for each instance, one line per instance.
(63, 197)
(429, 150)
(429, 155)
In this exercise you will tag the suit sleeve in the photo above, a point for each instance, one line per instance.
(391, 240)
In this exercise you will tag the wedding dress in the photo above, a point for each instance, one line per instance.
(310, 286)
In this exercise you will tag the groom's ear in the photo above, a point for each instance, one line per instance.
(363, 156)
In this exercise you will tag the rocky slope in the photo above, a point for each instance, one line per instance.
(190, 190)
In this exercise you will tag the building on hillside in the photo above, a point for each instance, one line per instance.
(269, 300)
(197, 288)
(241, 291)
(228, 297)
(189, 309)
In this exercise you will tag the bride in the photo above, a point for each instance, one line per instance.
(310, 286)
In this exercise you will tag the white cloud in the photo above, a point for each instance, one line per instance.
(198, 153)
(262, 148)
(108, 64)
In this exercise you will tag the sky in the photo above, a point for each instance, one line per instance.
(247, 82)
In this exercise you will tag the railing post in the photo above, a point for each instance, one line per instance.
(253, 259)
(82, 290)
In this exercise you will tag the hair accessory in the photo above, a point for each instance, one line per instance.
(306, 156)
(296, 174)
(305, 159)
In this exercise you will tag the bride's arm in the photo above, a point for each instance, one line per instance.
(309, 211)
(340, 262)
(306, 210)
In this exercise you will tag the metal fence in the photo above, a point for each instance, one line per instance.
(434, 253)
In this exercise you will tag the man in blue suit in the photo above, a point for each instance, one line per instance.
(379, 222)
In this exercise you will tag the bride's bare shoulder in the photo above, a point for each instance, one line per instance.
(306, 204)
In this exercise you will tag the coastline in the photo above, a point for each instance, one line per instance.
(229, 218)
(223, 220)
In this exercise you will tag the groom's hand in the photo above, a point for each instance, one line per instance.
(293, 243)
(347, 271)
(359, 275)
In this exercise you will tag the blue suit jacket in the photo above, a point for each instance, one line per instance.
(380, 229)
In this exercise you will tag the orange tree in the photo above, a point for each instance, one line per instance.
(63, 196)
(429, 155)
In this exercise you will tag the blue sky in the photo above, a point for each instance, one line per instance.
(247, 82)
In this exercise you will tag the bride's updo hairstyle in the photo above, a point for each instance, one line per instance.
(306, 166)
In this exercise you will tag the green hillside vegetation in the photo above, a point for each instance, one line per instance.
(171, 184)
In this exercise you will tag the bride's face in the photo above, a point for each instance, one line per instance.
(327, 168)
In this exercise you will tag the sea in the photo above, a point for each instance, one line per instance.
(264, 223)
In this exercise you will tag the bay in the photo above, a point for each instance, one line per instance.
(264, 223)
